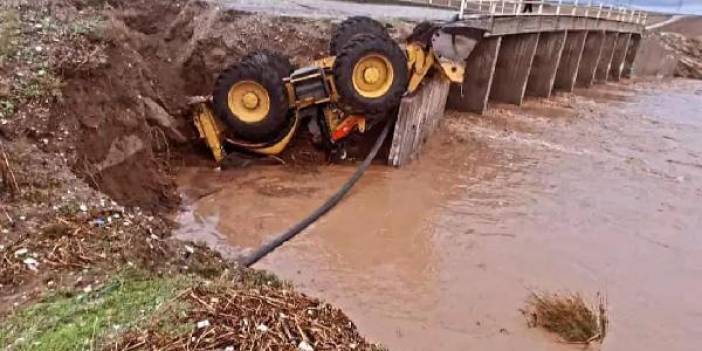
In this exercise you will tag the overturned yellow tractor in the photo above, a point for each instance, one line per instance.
(259, 103)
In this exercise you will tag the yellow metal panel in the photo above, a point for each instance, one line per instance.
(455, 71)
(327, 62)
(209, 129)
(421, 62)
(280, 145)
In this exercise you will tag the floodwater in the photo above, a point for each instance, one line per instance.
(596, 192)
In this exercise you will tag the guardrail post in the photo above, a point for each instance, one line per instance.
(599, 11)
(587, 9)
(541, 7)
(575, 8)
(462, 9)
(558, 7)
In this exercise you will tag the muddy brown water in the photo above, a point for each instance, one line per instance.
(598, 192)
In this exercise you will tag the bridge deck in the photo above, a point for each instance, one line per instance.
(499, 25)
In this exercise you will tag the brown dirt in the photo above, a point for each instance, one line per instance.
(689, 52)
(93, 121)
(688, 26)
(78, 85)
(164, 52)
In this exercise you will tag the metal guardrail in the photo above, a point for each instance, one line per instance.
(556, 8)
(580, 8)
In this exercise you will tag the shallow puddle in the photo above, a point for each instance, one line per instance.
(589, 194)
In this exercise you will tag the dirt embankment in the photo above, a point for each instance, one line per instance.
(94, 116)
(132, 114)
(689, 51)
(684, 38)
(689, 26)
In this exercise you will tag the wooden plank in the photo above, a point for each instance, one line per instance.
(417, 117)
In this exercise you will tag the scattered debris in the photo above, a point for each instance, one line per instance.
(257, 318)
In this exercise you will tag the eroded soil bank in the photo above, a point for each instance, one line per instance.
(94, 118)
(596, 192)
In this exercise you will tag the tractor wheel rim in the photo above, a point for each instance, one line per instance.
(373, 76)
(249, 101)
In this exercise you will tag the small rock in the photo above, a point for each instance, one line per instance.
(262, 328)
(304, 346)
(20, 252)
(31, 263)
(83, 208)
(203, 324)
(88, 288)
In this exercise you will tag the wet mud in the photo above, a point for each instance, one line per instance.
(593, 192)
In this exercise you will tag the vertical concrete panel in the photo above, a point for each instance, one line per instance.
(590, 58)
(472, 95)
(630, 57)
(570, 60)
(605, 60)
(615, 71)
(512, 67)
(654, 58)
(545, 64)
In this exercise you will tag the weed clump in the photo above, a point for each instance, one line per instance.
(568, 315)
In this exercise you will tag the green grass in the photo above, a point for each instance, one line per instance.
(81, 322)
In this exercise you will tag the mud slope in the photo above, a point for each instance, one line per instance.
(689, 26)
(131, 113)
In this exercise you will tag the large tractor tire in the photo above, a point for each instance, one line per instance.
(279, 62)
(353, 26)
(370, 73)
(250, 98)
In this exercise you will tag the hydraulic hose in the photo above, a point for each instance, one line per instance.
(276, 242)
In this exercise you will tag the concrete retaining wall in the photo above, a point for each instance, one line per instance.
(654, 59)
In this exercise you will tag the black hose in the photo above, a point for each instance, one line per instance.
(268, 247)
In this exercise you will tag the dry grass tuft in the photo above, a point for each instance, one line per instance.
(569, 316)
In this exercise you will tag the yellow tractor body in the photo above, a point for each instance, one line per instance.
(372, 75)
